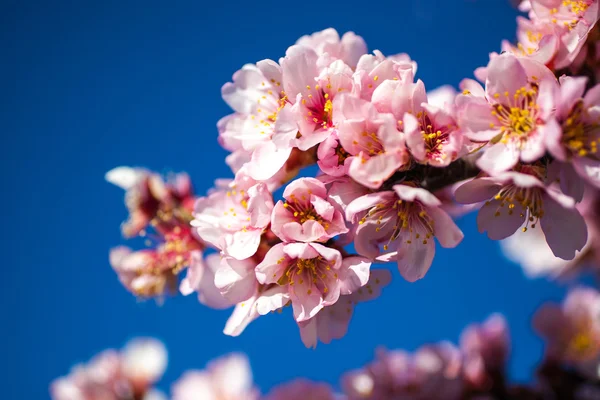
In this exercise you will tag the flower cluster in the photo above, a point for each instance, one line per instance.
(395, 163)
(116, 375)
(475, 369)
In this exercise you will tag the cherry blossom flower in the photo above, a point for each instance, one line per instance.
(405, 221)
(153, 272)
(333, 160)
(113, 375)
(575, 145)
(313, 88)
(332, 322)
(572, 332)
(306, 215)
(302, 389)
(376, 146)
(151, 200)
(313, 275)
(226, 378)
(485, 349)
(513, 116)
(349, 49)
(518, 198)
(374, 69)
(233, 219)
(432, 372)
(200, 278)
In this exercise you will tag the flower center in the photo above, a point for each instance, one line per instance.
(303, 210)
(320, 107)
(579, 136)
(530, 200)
(313, 271)
(435, 139)
(516, 115)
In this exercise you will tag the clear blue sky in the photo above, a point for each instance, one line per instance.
(90, 87)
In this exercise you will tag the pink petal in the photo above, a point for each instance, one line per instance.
(501, 226)
(242, 245)
(354, 274)
(271, 268)
(306, 302)
(498, 158)
(445, 230)
(477, 190)
(505, 74)
(565, 229)
(410, 193)
(367, 202)
(415, 259)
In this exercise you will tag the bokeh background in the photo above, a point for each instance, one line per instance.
(88, 86)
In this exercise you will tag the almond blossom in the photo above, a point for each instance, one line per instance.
(233, 218)
(226, 378)
(313, 275)
(306, 215)
(371, 139)
(513, 116)
(332, 322)
(348, 49)
(151, 200)
(572, 332)
(575, 145)
(153, 272)
(116, 375)
(404, 221)
(518, 198)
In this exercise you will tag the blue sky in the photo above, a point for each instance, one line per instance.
(97, 85)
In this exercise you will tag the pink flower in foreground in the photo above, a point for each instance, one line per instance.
(233, 219)
(200, 278)
(226, 378)
(151, 200)
(577, 142)
(312, 87)
(114, 375)
(572, 332)
(301, 389)
(333, 160)
(313, 275)
(374, 69)
(514, 117)
(332, 322)
(515, 199)
(261, 114)
(405, 221)
(485, 349)
(432, 372)
(306, 215)
(432, 136)
(376, 146)
(153, 272)
(349, 49)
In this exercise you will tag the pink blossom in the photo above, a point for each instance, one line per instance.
(113, 375)
(515, 199)
(200, 278)
(349, 49)
(485, 349)
(341, 193)
(265, 299)
(301, 389)
(226, 378)
(538, 41)
(572, 332)
(306, 215)
(313, 87)
(432, 136)
(313, 275)
(404, 221)
(374, 69)
(400, 96)
(376, 146)
(333, 159)
(576, 142)
(432, 372)
(151, 199)
(153, 272)
(332, 322)
(233, 220)
(513, 117)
